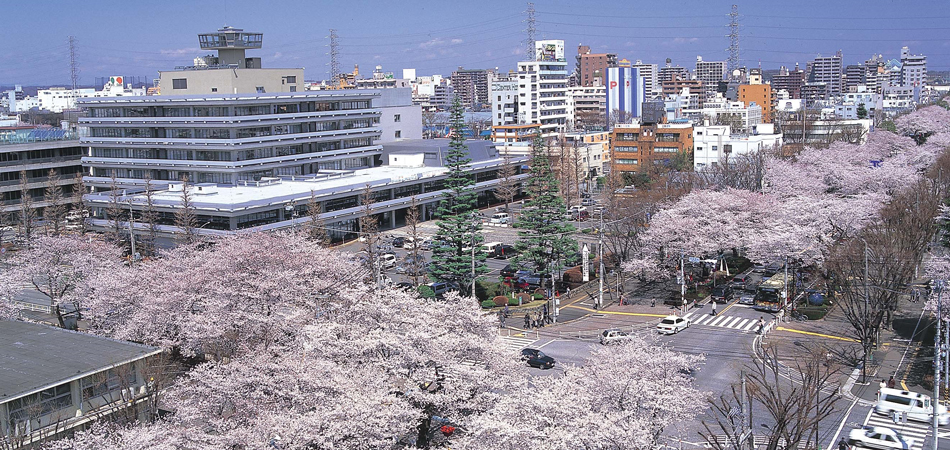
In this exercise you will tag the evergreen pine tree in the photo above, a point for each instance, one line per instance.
(544, 240)
(458, 226)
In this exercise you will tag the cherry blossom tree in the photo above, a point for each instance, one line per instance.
(60, 267)
(232, 297)
(927, 120)
(643, 389)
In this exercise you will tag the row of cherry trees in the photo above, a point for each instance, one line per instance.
(806, 203)
(279, 342)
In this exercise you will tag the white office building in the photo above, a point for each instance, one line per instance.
(715, 144)
(913, 69)
(504, 102)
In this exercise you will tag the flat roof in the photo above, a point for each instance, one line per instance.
(330, 95)
(35, 357)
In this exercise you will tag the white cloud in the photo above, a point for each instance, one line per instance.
(685, 40)
(180, 51)
(456, 41)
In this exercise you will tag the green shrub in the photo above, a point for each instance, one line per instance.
(488, 304)
(537, 296)
(512, 302)
(426, 291)
(814, 312)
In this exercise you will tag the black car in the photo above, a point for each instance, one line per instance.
(404, 286)
(399, 242)
(722, 293)
(537, 358)
(509, 271)
(504, 251)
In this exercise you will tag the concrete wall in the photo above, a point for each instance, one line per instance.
(231, 81)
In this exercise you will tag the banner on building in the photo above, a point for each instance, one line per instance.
(625, 87)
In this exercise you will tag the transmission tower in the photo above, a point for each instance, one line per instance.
(733, 36)
(529, 38)
(73, 62)
(334, 59)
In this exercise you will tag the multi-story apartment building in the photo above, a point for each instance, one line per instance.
(669, 72)
(594, 66)
(913, 69)
(828, 70)
(639, 147)
(472, 86)
(759, 94)
(710, 73)
(504, 102)
(789, 81)
(36, 151)
(542, 89)
(854, 75)
(676, 86)
(650, 73)
(586, 103)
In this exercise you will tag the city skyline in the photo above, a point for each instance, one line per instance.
(438, 38)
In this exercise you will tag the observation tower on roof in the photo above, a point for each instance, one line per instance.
(231, 44)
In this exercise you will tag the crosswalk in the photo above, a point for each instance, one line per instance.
(917, 431)
(733, 322)
(516, 343)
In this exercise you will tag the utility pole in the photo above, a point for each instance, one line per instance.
(473, 253)
(600, 251)
(786, 284)
(682, 280)
(936, 398)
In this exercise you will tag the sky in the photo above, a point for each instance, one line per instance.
(436, 37)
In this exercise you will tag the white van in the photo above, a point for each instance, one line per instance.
(499, 218)
(915, 406)
(489, 247)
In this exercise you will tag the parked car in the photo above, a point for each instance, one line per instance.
(722, 293)
(815, 297)
(672, 324)
(533, 279)
(441, 287)
(387, 260)
(404, 286)
(504, 251)
(509, 271)
(576, 209)
(588, 202)
(879, 437)
(614, 335)
(500, 218)
(537, 358)
(399, 241)
(516, 284)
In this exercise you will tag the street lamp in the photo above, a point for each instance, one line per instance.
(293, 215)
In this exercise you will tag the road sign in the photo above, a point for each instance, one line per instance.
(693, 260)
(585, 254)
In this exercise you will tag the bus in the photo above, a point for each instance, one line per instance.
(769, 296)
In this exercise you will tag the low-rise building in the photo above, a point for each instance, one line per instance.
(34, 152)
(638, 147)
(54, 381)
(714, 144)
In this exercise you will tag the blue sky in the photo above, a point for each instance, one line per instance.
(139, 38)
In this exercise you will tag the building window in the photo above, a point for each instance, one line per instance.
(293, 89)
(626, 161)
(260, 89)
(214, 89)
(398, 134)
(179, 83)
(397, 118)
(715, 148)
(291, 79)
(667, 149)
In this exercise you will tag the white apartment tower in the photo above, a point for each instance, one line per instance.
(913, 69)
(710, 73)
(542, 89)
(651, 85)
(828, 70)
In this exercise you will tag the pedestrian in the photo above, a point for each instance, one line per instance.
(891, 383)
(527, 321)
(567, 293)
(761, 324)
(501, 320)
(506, 310)
(882, 385)
(545, 309)
(714, 307)
(842, 444)
(653, 303)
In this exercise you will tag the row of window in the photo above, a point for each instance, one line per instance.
(225, 111)
(225, 133)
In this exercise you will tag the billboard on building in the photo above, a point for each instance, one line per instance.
(625, 94)
(549, 50)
